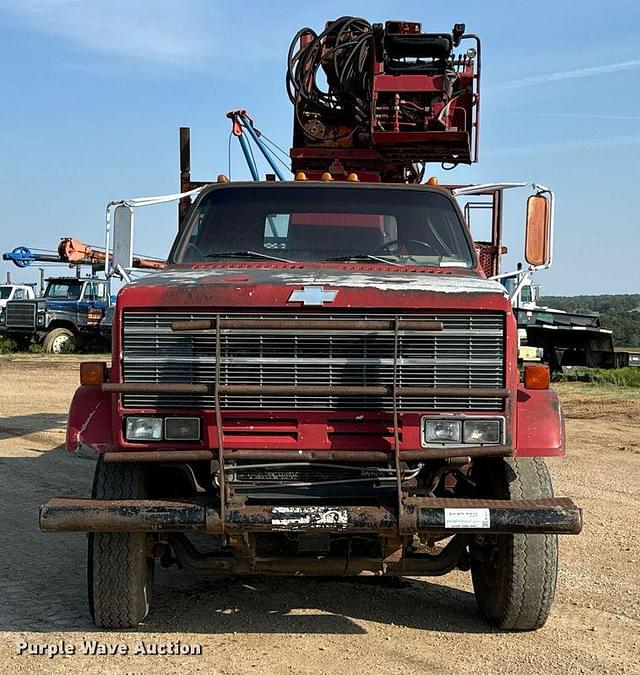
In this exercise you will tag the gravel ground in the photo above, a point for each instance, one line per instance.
(283, 625)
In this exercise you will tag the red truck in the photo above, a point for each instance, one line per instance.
(324, 381)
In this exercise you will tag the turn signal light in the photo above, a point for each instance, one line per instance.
(537, 376)
(93, 372)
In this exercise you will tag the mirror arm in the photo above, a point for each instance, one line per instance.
(524, 277)
(122, 273)
(523, 274)
(507, 275)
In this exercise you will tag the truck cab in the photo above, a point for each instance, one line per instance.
(69, 311)
(324, 380)
(10, 292)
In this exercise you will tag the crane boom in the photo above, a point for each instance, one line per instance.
(74, 252)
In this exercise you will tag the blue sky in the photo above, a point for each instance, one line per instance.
(93, 93)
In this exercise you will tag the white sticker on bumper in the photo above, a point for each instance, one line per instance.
(466, 519)
(308, 516)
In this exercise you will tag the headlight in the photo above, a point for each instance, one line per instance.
(143, 428)
(478, 432)
(471, 431)
(442, 431)
(182, 428)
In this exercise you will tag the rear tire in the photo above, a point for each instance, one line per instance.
(514, 575)
(60, 341)
(119, 571)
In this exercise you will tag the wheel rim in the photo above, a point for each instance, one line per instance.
(61, 344)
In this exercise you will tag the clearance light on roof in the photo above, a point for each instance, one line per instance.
(301, 175)
(327, 176)
(353, 177)
(433, 181)
(222, 178)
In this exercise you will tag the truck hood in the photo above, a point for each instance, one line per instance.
(240, 286)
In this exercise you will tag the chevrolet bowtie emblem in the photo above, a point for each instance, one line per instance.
(312, 295)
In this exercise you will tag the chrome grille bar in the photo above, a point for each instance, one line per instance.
(454, 351)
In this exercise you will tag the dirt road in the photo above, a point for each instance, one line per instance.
(306, 625)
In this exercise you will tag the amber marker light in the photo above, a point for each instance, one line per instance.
(301, 175)
(92, 372)
(433, 181)
(537, 376)
(353, 178)
(327, 176)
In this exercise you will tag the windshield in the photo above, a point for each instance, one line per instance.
(318, 223)
(5, 292)
(63, 290)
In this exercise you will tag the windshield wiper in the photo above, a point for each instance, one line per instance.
(245, 254)
(360, 256)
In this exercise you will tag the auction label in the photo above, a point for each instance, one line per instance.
(96, 648)
(466, 519)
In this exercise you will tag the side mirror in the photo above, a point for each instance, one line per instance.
(122, 237)
(537, 247)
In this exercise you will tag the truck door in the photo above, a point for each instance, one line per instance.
(101, 301)
(85, 305)
(92, 304)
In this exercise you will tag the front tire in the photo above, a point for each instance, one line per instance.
(60, 341)
(514, 575)
(119, 570)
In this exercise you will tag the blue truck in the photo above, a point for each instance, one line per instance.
(68, 313)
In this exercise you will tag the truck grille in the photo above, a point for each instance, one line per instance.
(468, 352)
(20, 315)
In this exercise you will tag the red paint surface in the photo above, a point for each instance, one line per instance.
(539, 424)
(214, 293)
(538, 428)
(89, 422)
(292, 429)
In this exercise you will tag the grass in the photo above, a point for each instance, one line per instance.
(7, 346)
(91, 345)
(618, 377)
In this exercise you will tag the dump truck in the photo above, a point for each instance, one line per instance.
(324, 380)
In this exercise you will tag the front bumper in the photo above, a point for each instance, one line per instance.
(419, 516)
